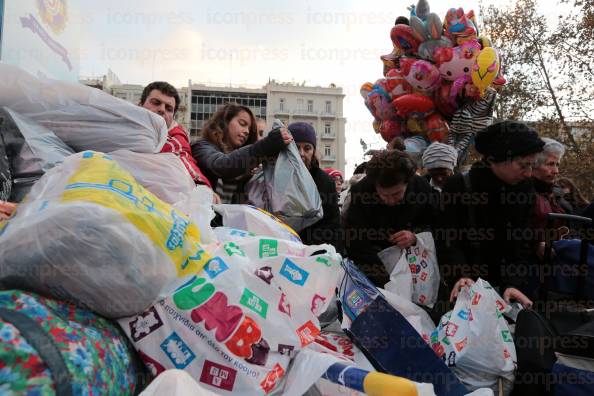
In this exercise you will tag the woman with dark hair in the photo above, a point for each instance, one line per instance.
(485, 229)
(326, 229)
(387, 207)
(572, 195)
(228, 149)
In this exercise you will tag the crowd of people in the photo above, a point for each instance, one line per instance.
(487, 222)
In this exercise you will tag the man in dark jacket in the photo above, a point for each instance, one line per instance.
(325, 230)
(485, 215)
(387, 207)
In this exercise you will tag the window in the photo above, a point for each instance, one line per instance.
(300, 104)
(310, 106)
(281, 104)
(327, 151)
(328, 107)
(327, 129)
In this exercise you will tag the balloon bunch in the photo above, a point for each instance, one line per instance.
(433, 71)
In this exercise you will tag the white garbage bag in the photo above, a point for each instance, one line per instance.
(84, 118)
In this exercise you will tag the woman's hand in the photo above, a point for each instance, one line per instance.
(287, 138)
(6, 209)
(514, 294)
(403, 239)
(458, 286)
(215, 198)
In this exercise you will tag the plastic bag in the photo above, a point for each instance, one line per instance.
(90, 233)
(31, 150)
(475, 340)
(255, 220)
(236, 325)
(286, 189)
(84, 118)
(5, 174)
(175, 383)
(415, 315)
(414, 273)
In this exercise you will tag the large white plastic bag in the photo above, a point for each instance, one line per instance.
(415, 315)
(236, 326)
(286, 189)
(175, 382)
(255, 220)
(88, 232)
(475, 340)
(414, 273)
(84, 118)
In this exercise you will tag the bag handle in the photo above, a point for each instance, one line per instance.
(45, 347)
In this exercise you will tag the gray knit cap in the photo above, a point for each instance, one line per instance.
(439, 155)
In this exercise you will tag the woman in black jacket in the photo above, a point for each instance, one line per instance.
(387, 207)
(229, 149)
(486, 214)
(326, 230)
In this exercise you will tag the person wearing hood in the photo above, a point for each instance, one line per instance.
(439, 160)
(326, 230)
(485, 215)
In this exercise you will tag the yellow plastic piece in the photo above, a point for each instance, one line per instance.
(379, 384)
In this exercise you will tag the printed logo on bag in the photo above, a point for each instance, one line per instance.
(239, 332)
(285, 349)
(177, 351)
(500, 305)
(250, 300)
(424, 276)
(470, 317)
(240, 233)
(145, 324)
(422, 298)
(476, 298)
(438, 349)
(217, 375)
(451, 360)
(414, 268)
(264, 273)
(506, 335)
(446, 340)
(269, 383)
(423, 264)
(424, 254)
(154, 367)
(178, 230)
(268, 248)
(215, 267)
(464, 314)
(307, 333)
(293, 273)
(317, 304)
(451, 329)
(412, 259)
(434, 337)
(461, 345)
(506, 354)
(196, 257)
(417, 251)
(231, 249)
(283, 305)
(324, 261)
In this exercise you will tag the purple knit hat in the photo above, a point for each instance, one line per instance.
(303, 133)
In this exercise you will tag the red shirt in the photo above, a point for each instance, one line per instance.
(178, 144)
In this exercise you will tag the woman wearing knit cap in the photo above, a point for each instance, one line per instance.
(486, 215)
(386, 208)
(336, 175)
(228, 149)
(439, 160)
(325, 230)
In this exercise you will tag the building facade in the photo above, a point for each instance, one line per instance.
(322, 107)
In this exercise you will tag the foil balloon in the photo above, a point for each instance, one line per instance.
(413, 105)
(379, 104)
(396, 84)
(485, 69)
(436, 128)
(457, 62)
(390, 129)
(423, 76)
(403, 38)
(442, 100)
(365, 89)
(459, 26)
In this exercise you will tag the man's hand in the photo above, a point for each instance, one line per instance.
(403, 239)
(6, 209)
(215, 198)
(458, 286)
(287, 138)
(514, 294)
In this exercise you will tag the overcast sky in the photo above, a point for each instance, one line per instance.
(240, 42)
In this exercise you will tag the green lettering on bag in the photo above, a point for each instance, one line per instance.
(193, 295)
(268, 248)
(505, 334)
(324, 261)
(250, 300)
(231, 249)
(446, 341)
